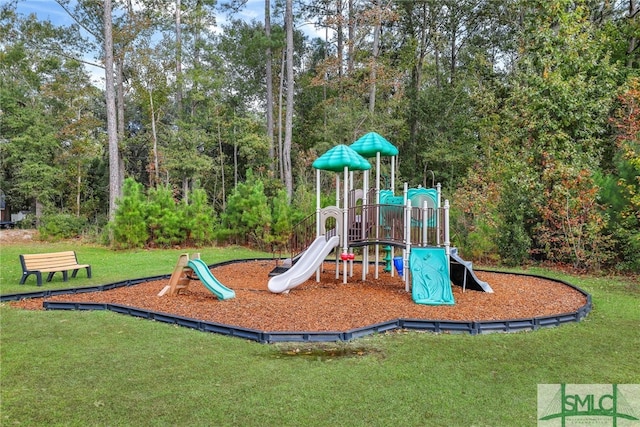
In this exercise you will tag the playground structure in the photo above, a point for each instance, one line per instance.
(416, 222)
(183, 274)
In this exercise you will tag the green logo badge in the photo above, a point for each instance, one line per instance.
(564, 405)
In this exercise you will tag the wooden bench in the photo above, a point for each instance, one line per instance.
(51, 263)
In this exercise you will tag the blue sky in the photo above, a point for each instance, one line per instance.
(45, 10)
(52, 11)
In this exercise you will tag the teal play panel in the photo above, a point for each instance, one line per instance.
(392, 204)
(430, 281)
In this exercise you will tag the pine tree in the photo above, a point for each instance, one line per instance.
(163, 218)
(247, 218)
(129, 226)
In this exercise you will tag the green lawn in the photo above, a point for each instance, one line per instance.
(107, 266)
(101, 368)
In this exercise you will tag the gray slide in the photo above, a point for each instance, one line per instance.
(462, 274)
(310, 261)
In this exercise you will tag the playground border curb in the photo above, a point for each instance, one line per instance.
(425, 325)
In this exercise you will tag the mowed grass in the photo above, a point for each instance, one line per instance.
(101, 368)
(107, 266)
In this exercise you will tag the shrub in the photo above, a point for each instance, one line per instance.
(620, 191)
(164, 219)
(282, 220)
(473, 216)
(199, 219)
(128, 229)
(573, 224)
(61, 226)
(304, 203)
(514, 209)
(247, 218)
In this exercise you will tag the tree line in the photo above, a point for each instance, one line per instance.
(525, 110)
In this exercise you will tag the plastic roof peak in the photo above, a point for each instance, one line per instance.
(372, 143)
(340, 156)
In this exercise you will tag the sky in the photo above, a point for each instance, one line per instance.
(52, 11)
(45, 10)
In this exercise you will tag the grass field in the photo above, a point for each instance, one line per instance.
(107, 266)
(101, 368)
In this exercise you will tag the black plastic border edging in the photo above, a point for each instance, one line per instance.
(437, 326)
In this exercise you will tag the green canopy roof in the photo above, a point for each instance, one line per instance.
(340, 156)
(371, 143)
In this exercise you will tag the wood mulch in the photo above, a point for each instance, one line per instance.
(331, 305)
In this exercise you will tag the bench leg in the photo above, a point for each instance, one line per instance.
(75, 272)
(38, 277)
(65, 277)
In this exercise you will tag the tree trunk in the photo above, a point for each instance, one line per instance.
(340, 37)
(436, 46)
(351, 35)
(178, 59)
(452, 67)
(154, 136)
(185, 190)
(112, 126)
(120, 115)
(280, 95)
(235, 156)
(120, 96)
(374, 59)
(634, 42)
(39, 212)
(325, 83)
(224, 196)
(269, 77)
(288, 175)
(78, 190)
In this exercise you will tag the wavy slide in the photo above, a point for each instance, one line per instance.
(209, 281)
(430, 282)
(309, 262)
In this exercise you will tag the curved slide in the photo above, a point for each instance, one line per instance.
(209, 281)
(309, 262)
(462, 274)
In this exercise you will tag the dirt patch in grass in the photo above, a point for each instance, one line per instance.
(17, 235)
(331, 305)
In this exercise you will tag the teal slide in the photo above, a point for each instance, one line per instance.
(209, 281)
(430, 282)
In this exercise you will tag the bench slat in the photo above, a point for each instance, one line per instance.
(50, 255)
(60, 268)
(40, 265)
